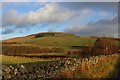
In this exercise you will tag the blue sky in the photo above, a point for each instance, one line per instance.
(80, 18)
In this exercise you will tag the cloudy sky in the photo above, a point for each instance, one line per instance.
(79, 18)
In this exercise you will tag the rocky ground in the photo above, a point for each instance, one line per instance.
(46, 69)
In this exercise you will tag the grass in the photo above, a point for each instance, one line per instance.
(61, 40)
(19, 60)
(87, 70)
(103, 70)
(100, 70)
(64, 41)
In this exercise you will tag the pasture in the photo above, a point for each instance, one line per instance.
(62, 55)
(61, 40)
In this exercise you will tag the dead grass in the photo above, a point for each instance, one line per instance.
(100, 70)
(103, 69)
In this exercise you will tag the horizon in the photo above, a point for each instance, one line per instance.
(78, 18)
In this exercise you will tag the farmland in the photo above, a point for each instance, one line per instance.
(59, 55)
(60, 39)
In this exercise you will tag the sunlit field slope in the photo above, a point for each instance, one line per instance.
(59, 39)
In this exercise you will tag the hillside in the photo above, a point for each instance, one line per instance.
(53, 39)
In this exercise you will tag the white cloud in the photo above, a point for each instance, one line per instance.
(53, 13)
(104, 13)
(50, 13)
(11, 18)
(86, 11)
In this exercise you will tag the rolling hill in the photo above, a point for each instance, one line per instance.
(53, 39)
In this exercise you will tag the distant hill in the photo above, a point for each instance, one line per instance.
(17, 39)
(54, 39)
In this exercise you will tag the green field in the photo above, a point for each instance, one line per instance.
(61, 40)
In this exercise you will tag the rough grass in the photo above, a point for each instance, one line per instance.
(100, 70)
(103, 69)
(18, 60)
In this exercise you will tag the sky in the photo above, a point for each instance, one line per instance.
(60, 0)
(79, 18)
